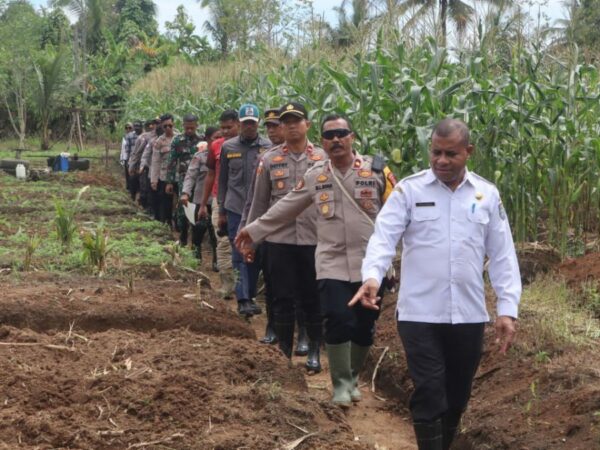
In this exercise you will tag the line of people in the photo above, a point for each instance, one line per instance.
(322, 224)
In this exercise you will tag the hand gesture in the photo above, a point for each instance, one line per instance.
(367, 295)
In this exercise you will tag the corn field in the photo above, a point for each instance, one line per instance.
(535, 119)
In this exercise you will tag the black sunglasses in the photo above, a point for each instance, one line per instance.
(337, 133)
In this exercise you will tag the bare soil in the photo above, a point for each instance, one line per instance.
(99, 367)
(579, 270)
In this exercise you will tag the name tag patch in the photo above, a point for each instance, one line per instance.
(233, 155)
(425, 204)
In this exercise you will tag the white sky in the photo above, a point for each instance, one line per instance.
(167, 9)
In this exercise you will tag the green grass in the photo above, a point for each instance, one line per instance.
(26, 208)
(554, 318)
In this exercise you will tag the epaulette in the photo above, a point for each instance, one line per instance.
(318, 165)
(480, 178)
(415, 175)
(378, 163)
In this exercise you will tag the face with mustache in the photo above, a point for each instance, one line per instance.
(336, 140)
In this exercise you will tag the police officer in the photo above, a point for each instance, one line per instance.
(146, 164)
(449, 219)
(291, 250)
(275, 135)
(347, 192)
(194, 183)
(127, 147)
(183, 148)
(237, 164)
(158, 169)
(135, 159)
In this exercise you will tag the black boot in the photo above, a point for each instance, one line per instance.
(302, 343)
(285, 335)
(313, 362)
(314, 330)
(450, 422)
(429, 435)
(270, 336)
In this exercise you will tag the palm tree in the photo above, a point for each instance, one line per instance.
(220, 15)
(349, 28)
(50, 80)
(458, 11)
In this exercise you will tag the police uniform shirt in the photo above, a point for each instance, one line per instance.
(279, 170)
(160, 154)
(237, 164)
(342, 230)
(194, 177)
(446, 236)
(140, 145)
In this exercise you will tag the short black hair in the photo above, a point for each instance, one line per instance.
(166, 116)
(190, 118)
(229, 114)
(210, 131)
(448, 126)
(332, 117)
(149, 122)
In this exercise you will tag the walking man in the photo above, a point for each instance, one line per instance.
(158, 169)
(290, 251)
(347, 191)
(449, 220)
(238, 162)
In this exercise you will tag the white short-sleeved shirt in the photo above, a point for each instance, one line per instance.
(446, 236)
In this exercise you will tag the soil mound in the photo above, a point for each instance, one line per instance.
(579, 270)
(105, 369)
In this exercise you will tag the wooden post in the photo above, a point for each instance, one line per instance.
(106, 147)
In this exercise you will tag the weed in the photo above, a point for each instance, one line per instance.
(32, 244)
(64, 219)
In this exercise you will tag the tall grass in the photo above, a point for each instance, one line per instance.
(534, 118)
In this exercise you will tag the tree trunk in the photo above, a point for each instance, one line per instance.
(443, 20)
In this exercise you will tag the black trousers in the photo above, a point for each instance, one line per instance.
(294, 281)
(145, 191)
(165, 204)
(442, 360)
(132, 182)
(262, 257)
(199, 229)
(342, 323)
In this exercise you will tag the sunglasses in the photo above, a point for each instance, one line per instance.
(168, 125)
(337, 133)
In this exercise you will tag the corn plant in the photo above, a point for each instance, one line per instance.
(533, 118)
(64, 219)
(96, 247)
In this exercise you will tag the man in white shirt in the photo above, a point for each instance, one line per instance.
(449, 219)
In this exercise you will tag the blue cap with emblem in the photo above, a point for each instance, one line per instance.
(249, 112)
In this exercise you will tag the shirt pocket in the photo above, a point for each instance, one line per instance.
(325, 204)
(280, 179)
(426, 223)
(478, 221)
(425, 213)
(235, 164)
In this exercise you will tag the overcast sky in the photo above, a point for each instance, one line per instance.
(167, 9)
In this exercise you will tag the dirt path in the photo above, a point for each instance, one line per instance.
(373, 420)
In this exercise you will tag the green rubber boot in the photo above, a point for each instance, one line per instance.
(358, 355)
(341, 373)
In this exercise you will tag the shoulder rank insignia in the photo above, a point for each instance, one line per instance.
(322, 178)
(357, 164)
(364, 173)
(324, 197)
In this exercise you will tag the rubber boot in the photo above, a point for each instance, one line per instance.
(429, 435)
(270, 336)
(450, 423)
(302, 343)
(314, 330)
(358, 355)
(285, 336)
(341, 373)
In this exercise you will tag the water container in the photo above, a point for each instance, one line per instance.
(64, 163)
(21, 172)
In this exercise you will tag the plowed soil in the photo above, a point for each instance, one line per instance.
(100, 367)
(579, 270)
